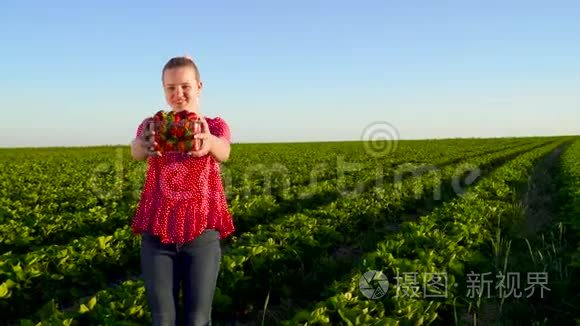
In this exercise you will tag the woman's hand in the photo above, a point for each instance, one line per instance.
(206, 140)
(218, 147)
(143, 146)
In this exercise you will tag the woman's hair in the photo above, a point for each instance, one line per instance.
(178, 62)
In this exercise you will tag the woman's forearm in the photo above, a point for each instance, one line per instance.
(219, 149)
(138, 152)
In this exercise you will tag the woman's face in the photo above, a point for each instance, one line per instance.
(181, 89)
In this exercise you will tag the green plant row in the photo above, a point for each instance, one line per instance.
(535, 243)
(285, 254)
(569, 195)
(440, 243)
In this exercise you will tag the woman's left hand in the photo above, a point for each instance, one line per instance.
(206, 140)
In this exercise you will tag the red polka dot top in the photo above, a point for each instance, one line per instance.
(184, 195)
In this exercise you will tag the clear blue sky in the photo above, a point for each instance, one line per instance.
(87, 72)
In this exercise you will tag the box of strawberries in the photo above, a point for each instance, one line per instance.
(174, 131)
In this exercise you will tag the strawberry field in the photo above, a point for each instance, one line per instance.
(337, 233)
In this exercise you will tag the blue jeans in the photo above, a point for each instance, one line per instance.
(165, 267)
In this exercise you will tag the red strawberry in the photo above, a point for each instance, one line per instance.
(173, 131)
(180, 133)
(181, 146)
(184, 114)
(191, 116)
(160, 115)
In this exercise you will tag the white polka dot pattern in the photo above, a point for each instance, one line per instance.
(184, 195)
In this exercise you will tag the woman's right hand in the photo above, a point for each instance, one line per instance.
(144, 145)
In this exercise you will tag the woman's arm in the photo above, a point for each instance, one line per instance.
(219, 148)
(138, 151)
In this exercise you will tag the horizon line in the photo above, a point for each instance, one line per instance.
(306, 141)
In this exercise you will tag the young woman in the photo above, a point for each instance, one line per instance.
(182, 214)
